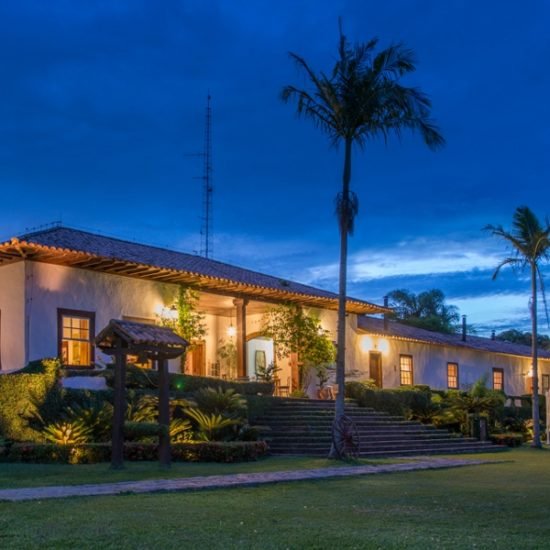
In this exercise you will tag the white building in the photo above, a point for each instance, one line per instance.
(59, 287)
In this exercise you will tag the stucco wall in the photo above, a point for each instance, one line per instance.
(430, 364)
(50, 287)
(12, 308)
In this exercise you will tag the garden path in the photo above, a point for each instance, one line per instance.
(231, 480)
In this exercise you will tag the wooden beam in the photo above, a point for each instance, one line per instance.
(164, 412)
(241, 304)
(117, 443)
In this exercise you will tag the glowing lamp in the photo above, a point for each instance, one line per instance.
(231, 331)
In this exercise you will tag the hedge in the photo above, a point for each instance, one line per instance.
(235, 451)
(398, 402)
(139, 378)
(36, 381)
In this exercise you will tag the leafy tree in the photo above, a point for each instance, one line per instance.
(358, 100)
(529, 245)
(189, 323)
(426, 310)
(295, 331)
(518, 337)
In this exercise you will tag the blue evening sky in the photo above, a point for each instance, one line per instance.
(102, 102)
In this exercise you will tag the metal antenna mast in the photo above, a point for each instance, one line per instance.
(206, 249)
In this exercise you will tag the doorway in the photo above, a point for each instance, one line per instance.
(195, 363)
(375, 368)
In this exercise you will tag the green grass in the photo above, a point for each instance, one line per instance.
(38, 475)
(499, 505)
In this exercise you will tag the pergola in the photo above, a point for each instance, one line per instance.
(122, 338)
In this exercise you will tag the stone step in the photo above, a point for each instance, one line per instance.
(366, 453)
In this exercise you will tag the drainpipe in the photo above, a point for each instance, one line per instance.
(385, 314)
(464, 328)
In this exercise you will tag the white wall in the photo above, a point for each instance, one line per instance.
(430, 364)
(12, 308)
(50, 287)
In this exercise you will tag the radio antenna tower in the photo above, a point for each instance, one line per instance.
(206, 249)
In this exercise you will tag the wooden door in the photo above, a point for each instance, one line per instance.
(375, 368)
(196, 360)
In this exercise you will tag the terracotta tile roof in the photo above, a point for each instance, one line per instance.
(372, 325)
(56, 244)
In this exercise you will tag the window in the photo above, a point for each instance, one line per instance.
(76, 330)
(452, 376)
(498, 379)
(545, 382)
(406, 370)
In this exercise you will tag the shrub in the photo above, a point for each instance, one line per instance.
(18, 392)
(212, 427)
(399, 402)
(139, 378)
(67, 433)
(510, 439)
(237, 451)
(218, 401)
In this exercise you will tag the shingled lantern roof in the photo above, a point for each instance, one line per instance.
(141, 338)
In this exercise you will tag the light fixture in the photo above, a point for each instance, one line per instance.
(231, 330)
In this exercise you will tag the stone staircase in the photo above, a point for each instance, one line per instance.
(304, 426)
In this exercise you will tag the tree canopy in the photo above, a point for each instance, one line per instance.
(426, 310)
(519, 337)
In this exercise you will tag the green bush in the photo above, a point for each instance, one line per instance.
(235, 451)
(398, 402)
(139, 378)
(509, 439)
(19, 393)
(226, 402)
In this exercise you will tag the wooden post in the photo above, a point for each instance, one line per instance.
(117, 441)
(164, 412)
(240, 304)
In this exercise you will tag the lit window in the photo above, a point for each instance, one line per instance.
(498, 379)
(76, 331)
(406, 370)
(452, 376)
(545, 382)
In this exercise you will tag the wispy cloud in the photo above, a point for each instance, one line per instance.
(412, 258)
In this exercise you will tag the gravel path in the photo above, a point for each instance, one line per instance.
(231, 480)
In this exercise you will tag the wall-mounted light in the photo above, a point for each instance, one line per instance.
(372, 343)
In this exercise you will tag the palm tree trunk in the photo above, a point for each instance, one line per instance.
(534, 357)
(341, 337)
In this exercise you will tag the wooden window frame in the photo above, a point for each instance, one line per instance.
(401, 356)
(457, 386)
(501, 371)
(90, 315)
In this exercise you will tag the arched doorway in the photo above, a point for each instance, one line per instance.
(260, 353)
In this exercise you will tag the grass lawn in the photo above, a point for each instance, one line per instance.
(501, 505)
(38, 475)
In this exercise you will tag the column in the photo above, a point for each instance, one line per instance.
(240, 304)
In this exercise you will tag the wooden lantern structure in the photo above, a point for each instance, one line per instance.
(123, 338)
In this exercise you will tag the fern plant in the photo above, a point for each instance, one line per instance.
(217, 401)
(211, 426)
(67, 433)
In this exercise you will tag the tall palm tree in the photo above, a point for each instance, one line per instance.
(359, 100)
(529, 241)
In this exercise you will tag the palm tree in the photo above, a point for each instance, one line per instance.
(529, 241)
(359, 100)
